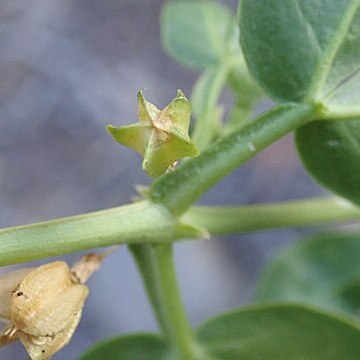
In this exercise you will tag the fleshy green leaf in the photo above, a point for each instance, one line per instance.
(131, 347)
(161, 136)
(304, 49)
(330, 151)
(197, 33)
(280, 332)
(323, 271)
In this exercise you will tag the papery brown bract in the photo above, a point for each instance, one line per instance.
(46, 300)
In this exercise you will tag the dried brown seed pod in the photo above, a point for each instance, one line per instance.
(42, 307)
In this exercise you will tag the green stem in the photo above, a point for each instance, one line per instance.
(236, 219)
(182, 187)
(240, 114)
(141, 222)
(155, 263)
(144, 222)
(204, 101)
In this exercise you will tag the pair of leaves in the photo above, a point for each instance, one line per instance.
(276, 332)
(309, 51)
(323, 271)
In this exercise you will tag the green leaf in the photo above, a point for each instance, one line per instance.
(304, 50)
(197, 33)
(351, 295)
(342, 87)
(323, 271)
(131, 347)
(280, 332)
(330, 151)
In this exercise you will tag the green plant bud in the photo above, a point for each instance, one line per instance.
(161, 136)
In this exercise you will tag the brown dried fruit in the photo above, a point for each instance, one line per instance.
(42, 307)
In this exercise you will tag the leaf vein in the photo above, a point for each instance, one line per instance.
(325, 62)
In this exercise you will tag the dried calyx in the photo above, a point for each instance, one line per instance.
(161, 136)
(42, 306)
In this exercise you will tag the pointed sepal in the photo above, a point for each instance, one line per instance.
(135, 136)
(146, 110)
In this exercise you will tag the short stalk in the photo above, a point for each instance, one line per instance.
(155, 263)
(205, 97)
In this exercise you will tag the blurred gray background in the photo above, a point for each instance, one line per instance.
(68, 68)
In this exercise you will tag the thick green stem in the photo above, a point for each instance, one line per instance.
(141, 222)
(144, 222)
(156, 266)
(236, 219)
(181, 188)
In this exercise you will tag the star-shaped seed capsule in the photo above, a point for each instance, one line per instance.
(161, 137)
